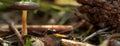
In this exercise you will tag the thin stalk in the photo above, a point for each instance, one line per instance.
(24, 23)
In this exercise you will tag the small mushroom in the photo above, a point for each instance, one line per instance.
(24, 6)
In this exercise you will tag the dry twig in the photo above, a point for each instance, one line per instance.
(17, 33)
(95, 33)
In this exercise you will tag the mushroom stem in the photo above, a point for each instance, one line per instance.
(24, 23)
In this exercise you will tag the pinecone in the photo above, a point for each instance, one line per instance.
(101, 13)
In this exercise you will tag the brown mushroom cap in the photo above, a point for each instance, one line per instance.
(24, 6)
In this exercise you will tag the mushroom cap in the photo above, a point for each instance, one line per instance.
(24, 6)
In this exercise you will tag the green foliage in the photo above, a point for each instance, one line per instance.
(55, 11)
(4, 4)
(66, 16)
(100, 40)
(26, 0)
(10, 44)
(28, 42)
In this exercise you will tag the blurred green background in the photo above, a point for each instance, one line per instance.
(48, 13)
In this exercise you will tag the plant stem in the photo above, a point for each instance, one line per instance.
(24, 23)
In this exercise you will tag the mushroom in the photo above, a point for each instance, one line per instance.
(24, 6)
